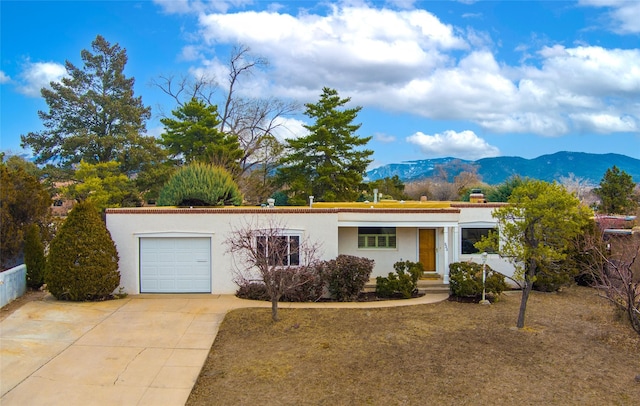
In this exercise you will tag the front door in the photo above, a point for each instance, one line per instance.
(427, 249)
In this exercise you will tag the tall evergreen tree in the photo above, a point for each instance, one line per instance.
(329, 163)
(194, 136)
(93, 114)
(616, 192)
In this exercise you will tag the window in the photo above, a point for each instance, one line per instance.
(281, 250)
(471, 236)
(376, 237)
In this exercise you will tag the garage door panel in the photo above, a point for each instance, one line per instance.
(175, 265)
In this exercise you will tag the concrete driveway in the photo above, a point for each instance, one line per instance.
(141, 350)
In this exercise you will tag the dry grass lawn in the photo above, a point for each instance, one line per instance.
(575, 350)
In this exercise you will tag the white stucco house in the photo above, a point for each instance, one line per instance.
(182, 250)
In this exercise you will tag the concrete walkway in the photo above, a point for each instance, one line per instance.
(141, 350)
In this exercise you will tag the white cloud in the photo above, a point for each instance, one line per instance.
(36, 75)
(384, 138)
(4, 78)
(287, 128)
(190, 53)
(409, 61)
(624, 14)
(199, 6)
(606, 123)
(463, 145)
(356, 46)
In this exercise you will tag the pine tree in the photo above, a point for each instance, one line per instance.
(616, 192)
(193, 136)
(329, 163)
(536, 229)
(83, 260)
(93, 115)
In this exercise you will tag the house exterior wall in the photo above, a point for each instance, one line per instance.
(480, 215)
(334, 231)
(406, 249)
(127, 226)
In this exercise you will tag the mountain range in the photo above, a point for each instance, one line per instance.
(585, 166)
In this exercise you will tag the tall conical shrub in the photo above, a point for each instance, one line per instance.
(200, 185)
(34, 257)
(83, 260)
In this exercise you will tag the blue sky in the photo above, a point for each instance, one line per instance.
(435, 78)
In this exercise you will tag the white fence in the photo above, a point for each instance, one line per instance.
(13, 284)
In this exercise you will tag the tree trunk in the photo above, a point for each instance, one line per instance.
(528, 285)
(274, 309)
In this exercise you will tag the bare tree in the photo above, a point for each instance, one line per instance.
(252, 120)
(418, 188)
(576, 185)
(264, 252)
(615, 271)
(183, 89)
(444, 191)
(465, 180)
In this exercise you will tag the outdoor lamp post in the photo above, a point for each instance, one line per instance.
(484, 301)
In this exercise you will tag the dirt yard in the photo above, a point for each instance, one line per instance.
(575, 350)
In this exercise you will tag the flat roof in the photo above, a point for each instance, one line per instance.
(384, 206)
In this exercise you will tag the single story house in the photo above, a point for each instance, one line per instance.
(183, 250)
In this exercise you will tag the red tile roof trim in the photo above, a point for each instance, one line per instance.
(281, 210)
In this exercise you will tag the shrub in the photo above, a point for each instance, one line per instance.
(311, 290)
(34, 257)
(83, 260)
(200, 185)
(403, 282)
(346, 276)
(547, 281)
(23, 200)
(465, 280)
(252, 291)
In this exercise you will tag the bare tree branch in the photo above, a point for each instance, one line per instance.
(263, 251)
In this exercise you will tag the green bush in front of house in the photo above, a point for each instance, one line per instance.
(200, 185)
(346, 276)
(403, 282)
(465, 280)
(83, 260)
(34, 257)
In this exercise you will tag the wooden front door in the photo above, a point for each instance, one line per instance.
(427, 249)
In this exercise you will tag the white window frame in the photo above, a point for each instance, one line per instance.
(289, 236)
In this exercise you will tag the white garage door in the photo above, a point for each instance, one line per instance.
(175, 265)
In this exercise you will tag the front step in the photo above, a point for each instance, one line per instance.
(431, 276)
